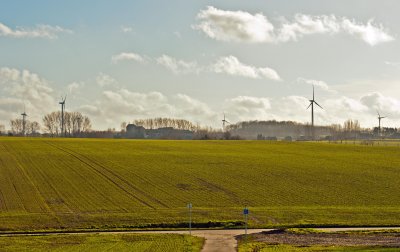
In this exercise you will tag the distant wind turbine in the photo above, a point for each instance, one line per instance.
(62, 103)
(312, 110)
(379, 119)
(224, 121)
(24, 115)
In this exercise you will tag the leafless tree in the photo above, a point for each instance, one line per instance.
(123, 126)
(51, 123)
(32, 128)
(86, 125)
(75, 123)
(154, 123)
(16, 126)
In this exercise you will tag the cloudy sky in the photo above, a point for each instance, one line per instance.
(254, 60)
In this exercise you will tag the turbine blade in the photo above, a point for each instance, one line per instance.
(309, 105)
(318, 104)
(313, 92)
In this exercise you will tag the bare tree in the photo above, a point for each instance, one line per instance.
(52, 123)
(16, 126)
(153, 123)
(123, 126)
(86, 125)
(33, 128)
(75, 123)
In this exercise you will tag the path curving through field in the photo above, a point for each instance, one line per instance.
(216, 240)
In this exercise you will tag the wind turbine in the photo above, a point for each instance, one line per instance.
(380, 118)
(62, 103)
(224, 121)
(312, 110)
(24, 115)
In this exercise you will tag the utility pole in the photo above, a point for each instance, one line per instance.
(245, 213)
(189, 206)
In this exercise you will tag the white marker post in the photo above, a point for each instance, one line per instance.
(246, 213)
(189, 206)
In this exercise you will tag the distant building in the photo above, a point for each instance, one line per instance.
(133, 131)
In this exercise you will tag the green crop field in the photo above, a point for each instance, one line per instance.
(106, 184)
(102, 242)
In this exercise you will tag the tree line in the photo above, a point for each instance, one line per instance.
(155, 123)
(75, 124)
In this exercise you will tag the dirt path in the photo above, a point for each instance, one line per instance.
(218, 240)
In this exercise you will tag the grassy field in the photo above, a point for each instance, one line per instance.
(105, 184)
(102, 242)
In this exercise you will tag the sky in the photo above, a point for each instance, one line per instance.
(253, 60)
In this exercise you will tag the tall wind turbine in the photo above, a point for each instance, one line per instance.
(24, 115)
(224, 121)
(62, 103)
(380, 118)
(312, 111)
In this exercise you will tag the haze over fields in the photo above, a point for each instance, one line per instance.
(253, 60)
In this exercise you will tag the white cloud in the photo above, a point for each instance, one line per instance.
(294, 108)
(371, 34)
(305, 25)
(178, 34)
(103, 80)
(21, 87)
(192, 109)
(247, 108)
(178, 66)
(235, 25)
(317, 83)
(127, 29)
(40, 31)
(127, 56)
(242, 26)
(74, 87)
(393, 64)
(228, 65)
(386, 105)
(232, 66)
(113, 107)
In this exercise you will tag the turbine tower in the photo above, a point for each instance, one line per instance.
(24, 115)
(379, 119)
(312, 111)
(62, 103)
(224, 121)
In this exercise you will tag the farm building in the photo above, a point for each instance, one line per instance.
(134, 131)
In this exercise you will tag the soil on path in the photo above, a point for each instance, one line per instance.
(386, 239)
(219, 240)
